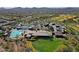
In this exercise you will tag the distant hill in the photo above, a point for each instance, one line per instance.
(39, 10)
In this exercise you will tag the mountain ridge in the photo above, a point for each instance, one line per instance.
(39, 10)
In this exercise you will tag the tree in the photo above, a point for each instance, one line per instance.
(77, 47)
(1, 34)
(64, 48)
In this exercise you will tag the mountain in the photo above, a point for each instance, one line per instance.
(39, 10)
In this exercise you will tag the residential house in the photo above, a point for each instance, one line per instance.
(57, 29)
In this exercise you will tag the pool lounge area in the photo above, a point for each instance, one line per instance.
(16, 33)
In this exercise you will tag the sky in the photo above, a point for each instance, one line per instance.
(39, 3)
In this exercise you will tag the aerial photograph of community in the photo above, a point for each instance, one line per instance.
(39, 29)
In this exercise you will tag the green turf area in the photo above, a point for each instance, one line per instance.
(46, 45)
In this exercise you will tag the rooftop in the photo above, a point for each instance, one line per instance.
(39, 33)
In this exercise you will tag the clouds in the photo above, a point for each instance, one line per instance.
(39, 3)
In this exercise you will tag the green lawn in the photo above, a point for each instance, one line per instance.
(46, 45)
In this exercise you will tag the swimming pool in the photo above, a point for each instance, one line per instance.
(16, 33)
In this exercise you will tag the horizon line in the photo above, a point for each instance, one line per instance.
(38, 7)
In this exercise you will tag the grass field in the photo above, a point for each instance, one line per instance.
(46, 45)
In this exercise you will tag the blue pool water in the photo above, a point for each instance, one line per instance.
(15, 33)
